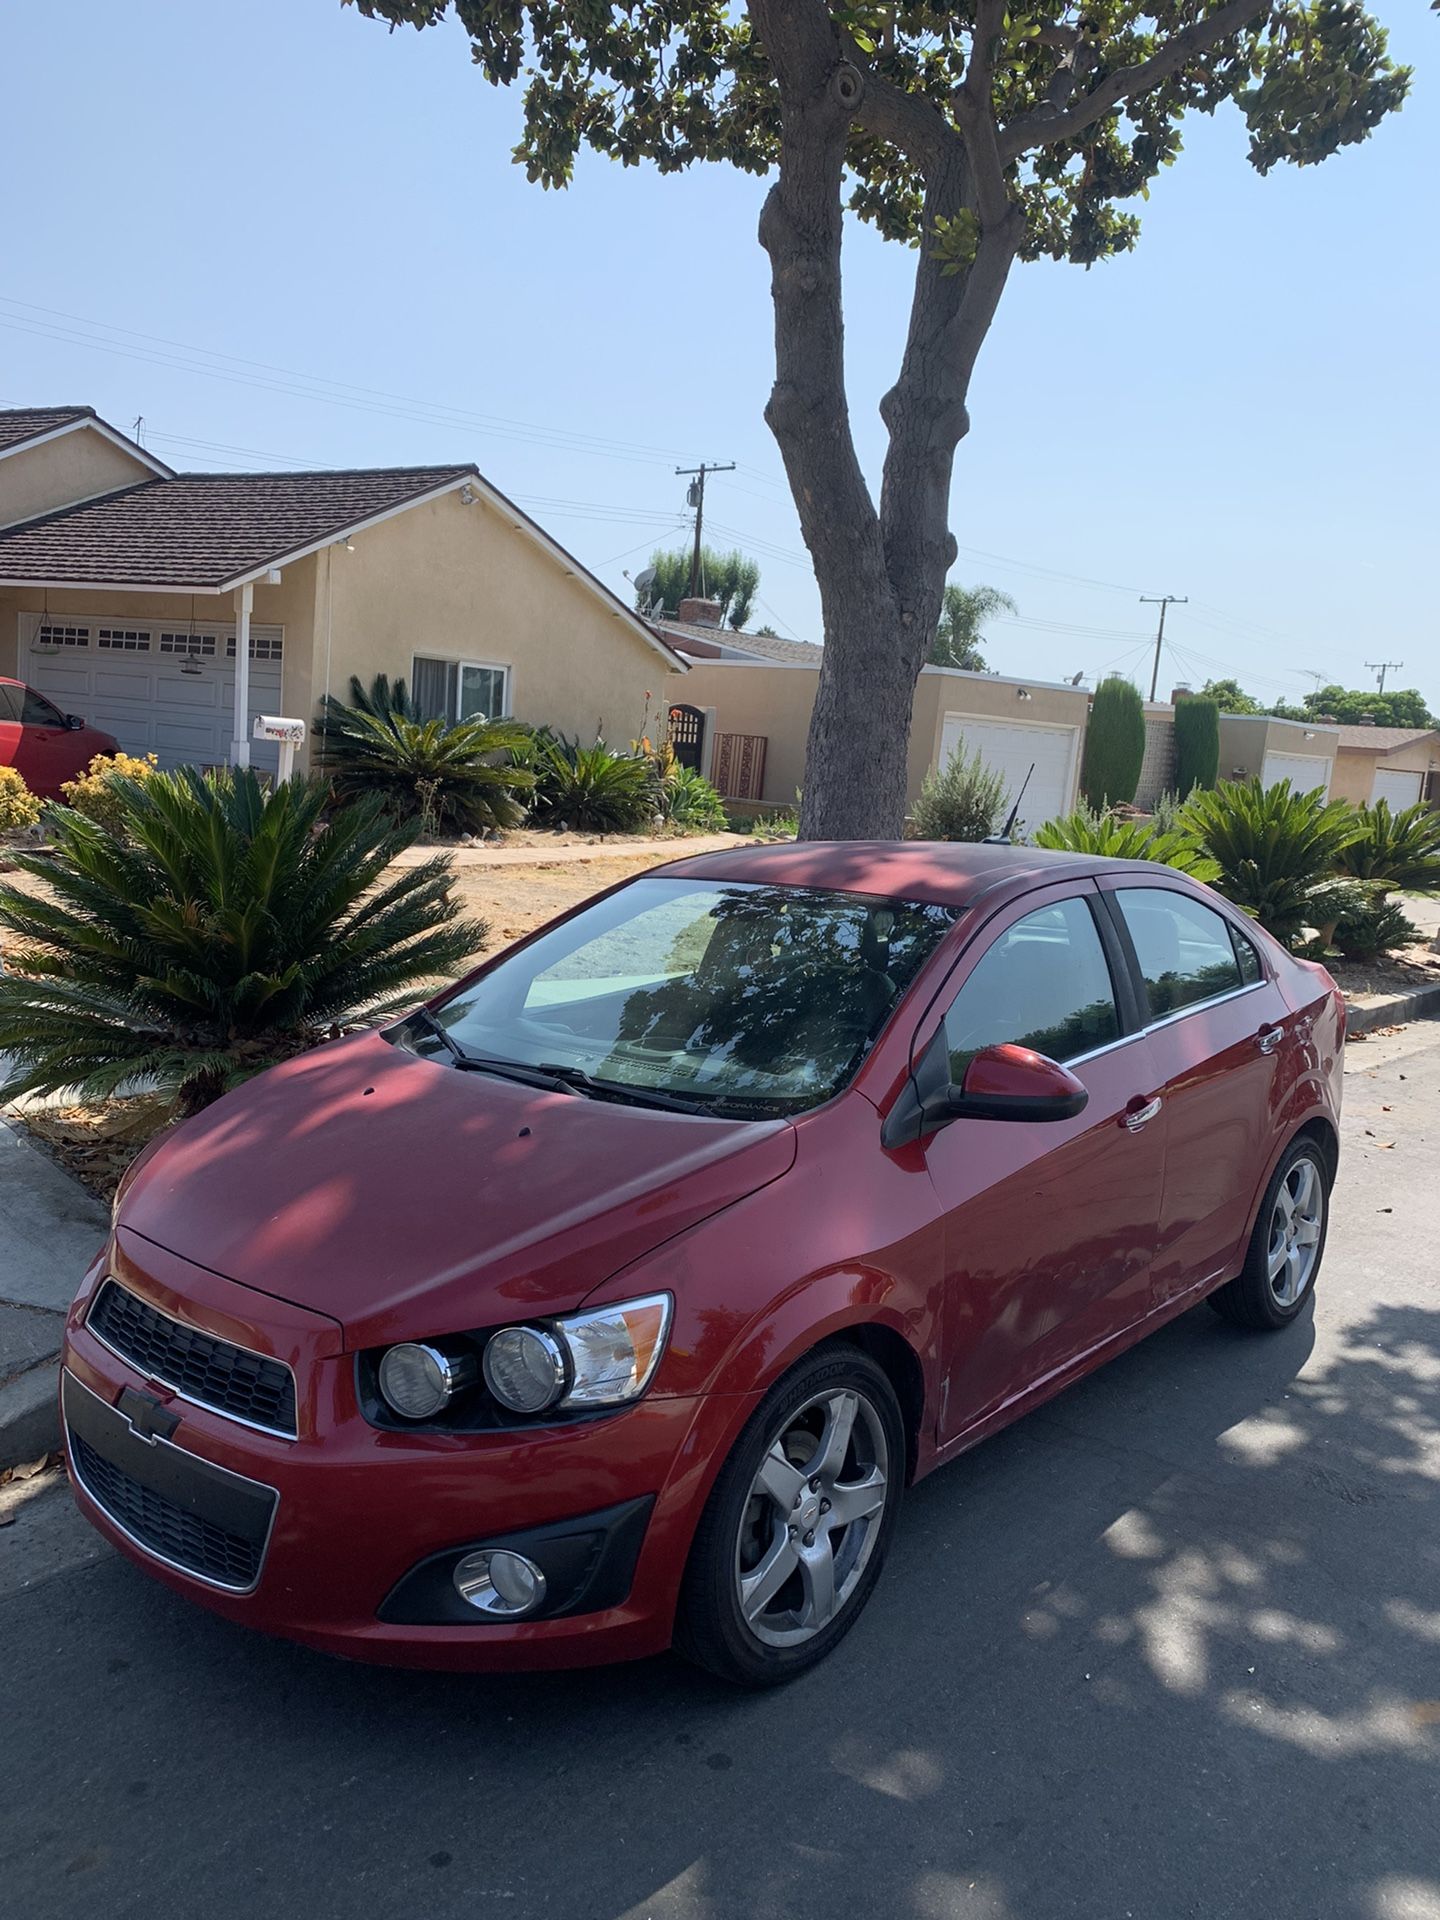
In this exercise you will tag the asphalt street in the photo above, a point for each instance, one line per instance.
(1169, 1647)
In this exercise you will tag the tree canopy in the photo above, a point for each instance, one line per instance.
(731, 578)
(979, 135)
(963, 611)
(1401, 707)
(1230, 697)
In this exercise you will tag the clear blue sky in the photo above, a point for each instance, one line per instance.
(1244, 411)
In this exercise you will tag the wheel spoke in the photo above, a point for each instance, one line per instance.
(1304, 1178)
(1307, 1232)
(1295, 1273)
(857, 1499)
(759, 1587)
(835, 1437)
(817, 1576)
(1279, 1255)
(1285, 1204)
(779, 1480)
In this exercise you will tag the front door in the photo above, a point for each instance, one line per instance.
(1219, 1027)
(1049, 1225)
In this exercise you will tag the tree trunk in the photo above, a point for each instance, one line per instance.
(858, 753)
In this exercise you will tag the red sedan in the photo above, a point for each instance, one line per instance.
(612, 1300)
(45, 746)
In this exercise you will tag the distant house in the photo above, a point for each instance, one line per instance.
(1398, 764)
(173, 608)
(744, 716)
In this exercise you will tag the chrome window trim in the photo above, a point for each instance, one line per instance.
(1165, 1020)
(205, 1406)
(143, 1546)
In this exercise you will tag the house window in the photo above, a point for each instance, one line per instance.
(459, 689)
(125, 639)
(263, 646)
(47, 635)
(199, 645)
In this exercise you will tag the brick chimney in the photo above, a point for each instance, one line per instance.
(1366, 720)
(699, 613)
(1182, 692)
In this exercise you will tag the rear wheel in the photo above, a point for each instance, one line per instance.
(791, 1542)
(1286, 1247)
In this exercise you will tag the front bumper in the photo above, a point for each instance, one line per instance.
(343, 1517)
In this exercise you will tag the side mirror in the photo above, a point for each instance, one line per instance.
(1016, 1083)
(75, 722)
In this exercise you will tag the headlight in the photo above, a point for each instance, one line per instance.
(418, 1381)
(607, 1356)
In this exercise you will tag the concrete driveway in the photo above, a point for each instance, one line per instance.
(1170, 1647)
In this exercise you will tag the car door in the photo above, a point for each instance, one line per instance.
(1216, 1021)
(1049, 1227)
(44, 752)
(10, 702)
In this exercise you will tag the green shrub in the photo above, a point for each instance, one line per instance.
(1273, 846)
(1086, 831)
(1373, 927)
(216, 928)
(94, 792)
(1402, 849)
(459, 776)
(1197, 744)
(19, 808)
(1114, 745)
(961, 800)
(593, 790)
(689, 800)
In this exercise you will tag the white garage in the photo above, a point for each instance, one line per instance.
(1397, 788)
(159, 688)
(1012, 748)
(1304, 771)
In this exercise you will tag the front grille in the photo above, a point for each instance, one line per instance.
(196, 1544)
(216, 1373)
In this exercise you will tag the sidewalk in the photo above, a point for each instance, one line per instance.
(51, 1228)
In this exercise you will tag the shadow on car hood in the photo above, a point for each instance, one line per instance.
(404, 1198)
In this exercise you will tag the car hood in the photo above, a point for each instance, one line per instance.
(404, 1198)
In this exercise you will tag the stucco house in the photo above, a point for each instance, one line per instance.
(1398, 764)
(173, 608)
(747, 701)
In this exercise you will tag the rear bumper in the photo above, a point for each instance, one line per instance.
(354, 1512)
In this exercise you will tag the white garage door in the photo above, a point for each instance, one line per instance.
(1011, 749)
(1399, 789)
(161, 690)
(1304, 771)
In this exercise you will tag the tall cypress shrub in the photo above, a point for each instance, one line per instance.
(1114, 745)
(1197, 744)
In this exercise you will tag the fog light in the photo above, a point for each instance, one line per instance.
(418, 1381)
(524, 1368)
(500, 1583)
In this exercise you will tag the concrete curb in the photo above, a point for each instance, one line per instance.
(1421, 1003)
(30, 1414)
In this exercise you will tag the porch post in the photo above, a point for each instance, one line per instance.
(240, 739)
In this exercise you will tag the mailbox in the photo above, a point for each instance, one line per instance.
(289, 733)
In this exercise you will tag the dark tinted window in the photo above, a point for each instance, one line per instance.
(1043, 984)
(9, 703)
(38, 711)
(1250, 968)
(1184, 949)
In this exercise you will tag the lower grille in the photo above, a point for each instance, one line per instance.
(197, 1545)
(215, 1373)
(191, 1513)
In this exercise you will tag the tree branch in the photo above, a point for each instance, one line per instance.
(973, 102)
(1045, 127)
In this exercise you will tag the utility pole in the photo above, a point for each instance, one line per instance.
(1381, 667)
(695, 498)
(1161, 600)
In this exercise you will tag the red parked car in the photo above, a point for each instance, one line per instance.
(44, 745)
(612, 1300)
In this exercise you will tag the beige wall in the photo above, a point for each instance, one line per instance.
(776, 702)
(57, 473)
(1246, 738)
(460, 583)
(1355, 768)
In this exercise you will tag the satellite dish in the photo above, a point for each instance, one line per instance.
(644, 580)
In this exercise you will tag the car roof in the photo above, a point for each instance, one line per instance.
(937, 872)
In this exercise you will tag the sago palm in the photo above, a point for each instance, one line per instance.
(456, 775)
(215, 929)
(1273, 846)
(1400, 849)
(1086, 831)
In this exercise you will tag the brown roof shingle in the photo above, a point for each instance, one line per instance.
(767, 646)
(1381, 739)
(19, 424)
(205, 529)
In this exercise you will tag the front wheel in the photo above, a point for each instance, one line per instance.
(795, 1530)
(1286, 1246)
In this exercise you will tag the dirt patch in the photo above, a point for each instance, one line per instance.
(516, 900)
(1391, 973)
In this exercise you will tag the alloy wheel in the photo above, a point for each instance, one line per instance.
(1295, 1227)
(812, 1517)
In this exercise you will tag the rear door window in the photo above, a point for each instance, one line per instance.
(1184, 948)
(38, 711)
(1044, 984)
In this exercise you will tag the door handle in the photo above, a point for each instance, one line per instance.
(1268, 1038)
(1135, 1117)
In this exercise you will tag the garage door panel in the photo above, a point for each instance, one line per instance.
(1010, 749)
(1396, 787)
(1304, 771)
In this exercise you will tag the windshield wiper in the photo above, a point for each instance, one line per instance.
(469, 1062)
(581, 1082)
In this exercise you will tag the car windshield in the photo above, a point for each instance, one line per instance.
(721, 997)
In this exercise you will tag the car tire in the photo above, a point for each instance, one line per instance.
(773, 1581)
(1286, 1246)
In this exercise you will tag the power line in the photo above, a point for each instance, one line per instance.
(1164, 601)
(1380, 668)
